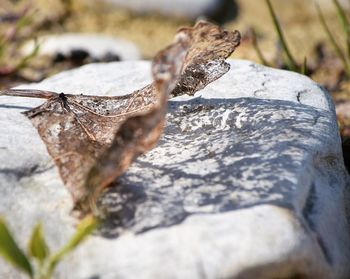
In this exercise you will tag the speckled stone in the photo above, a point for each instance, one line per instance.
(247, 181)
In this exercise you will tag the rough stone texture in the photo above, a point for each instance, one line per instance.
(247, 182)
(180, 8)
(98, 47)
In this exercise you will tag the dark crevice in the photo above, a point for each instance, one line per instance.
(14, 107)
(299, 93)
(25, 172)
(317, 117)
(309, 211)
(298, 97)
(346, 153)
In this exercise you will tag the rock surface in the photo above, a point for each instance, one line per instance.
(97, 47)
(247, 182)
(178, 8)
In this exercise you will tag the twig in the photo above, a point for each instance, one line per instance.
(28, 93)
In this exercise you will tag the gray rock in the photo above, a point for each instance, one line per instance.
(97, 47)
(179, 8)
(248, 181)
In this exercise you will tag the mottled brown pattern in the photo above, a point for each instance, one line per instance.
(205, 61)
(94, 139)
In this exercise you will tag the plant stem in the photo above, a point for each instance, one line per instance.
(333, 41)
(257, 48)
(28, 93)
(344, 21)
(304, 67)
(291, 60)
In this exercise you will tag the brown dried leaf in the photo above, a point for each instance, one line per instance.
(94, 139)
(205, 61)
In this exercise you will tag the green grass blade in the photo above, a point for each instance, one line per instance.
(22, 22)
(304, 67)
(345, 23)
(37, 245)
(291, 60)
(2, 48)
(257, 48)
(332, 40)
(84, 229)
(11, 252)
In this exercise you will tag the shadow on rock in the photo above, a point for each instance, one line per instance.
(218, 155)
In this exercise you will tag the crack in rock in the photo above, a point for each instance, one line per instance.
(299, 93)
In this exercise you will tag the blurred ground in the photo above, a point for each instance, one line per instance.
(151, 33)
